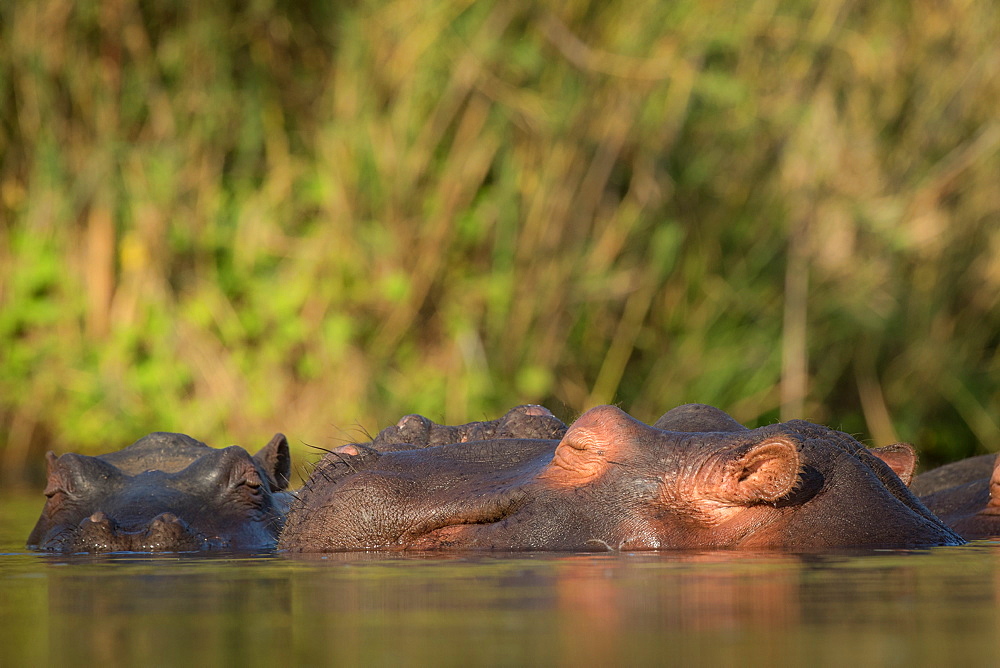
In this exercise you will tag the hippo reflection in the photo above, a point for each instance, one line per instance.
(696, 479)
(165, 492)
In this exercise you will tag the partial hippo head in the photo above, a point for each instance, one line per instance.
(965, 495)
(612, 482)
(901, 458)
(165, 492)
(416, 431)
(413, 432)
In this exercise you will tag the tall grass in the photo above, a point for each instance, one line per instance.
(232, 221)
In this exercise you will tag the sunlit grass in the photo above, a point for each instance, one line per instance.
(233, 223)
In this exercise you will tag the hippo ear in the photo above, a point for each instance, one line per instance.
(79, 475)
(901, 458)
(276, 461)
(45, 520)
(594, 441)
(51, 469)
(995, 484)
(760, 473)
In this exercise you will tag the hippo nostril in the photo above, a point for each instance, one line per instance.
(168, 532)
(98, 521)
(97, 533)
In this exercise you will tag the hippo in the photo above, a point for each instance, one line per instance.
(965, 495)
(413, 432)
(165, 493)
(696, 479)
(416, 431)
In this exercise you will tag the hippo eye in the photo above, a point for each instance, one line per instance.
(251, 484)
(246, 477)
(52, 490)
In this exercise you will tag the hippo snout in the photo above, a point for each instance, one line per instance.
(96, 534)
(100, 533)
(168, 532)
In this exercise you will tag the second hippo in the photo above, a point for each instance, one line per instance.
(965, 495)
(698, 479)
(166, 492)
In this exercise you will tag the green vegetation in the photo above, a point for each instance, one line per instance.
(231, 219)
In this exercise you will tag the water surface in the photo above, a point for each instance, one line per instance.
(888, 607)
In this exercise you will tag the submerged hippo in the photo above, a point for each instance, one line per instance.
(697, 479)
(165, 492)
(965, 495)
(416, 431)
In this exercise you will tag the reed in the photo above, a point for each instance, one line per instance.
(230, 222)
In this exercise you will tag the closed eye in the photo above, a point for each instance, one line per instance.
(252, 486)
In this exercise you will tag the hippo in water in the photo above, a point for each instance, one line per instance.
(165, 492)
(696, 479)
(416, 431)
(965, 495)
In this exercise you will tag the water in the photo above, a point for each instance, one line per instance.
(906, 608)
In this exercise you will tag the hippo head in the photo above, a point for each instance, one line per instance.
(612, 482)
(699, 478)
(901, 458)
(166, 492)
(968, 502)
(678, 490)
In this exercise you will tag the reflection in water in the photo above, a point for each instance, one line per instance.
(912, 608)
(122, 607)
(727, 607)
(702, 593)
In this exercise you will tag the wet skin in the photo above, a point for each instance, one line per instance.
(697, 479)
(965, 495)
(165, 492)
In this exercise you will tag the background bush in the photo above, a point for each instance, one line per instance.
(231, 219)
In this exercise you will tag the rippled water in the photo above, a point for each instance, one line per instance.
(908, 608)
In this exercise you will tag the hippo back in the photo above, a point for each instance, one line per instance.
(161, 451)
(956, 473)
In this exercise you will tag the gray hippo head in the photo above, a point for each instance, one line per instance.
(165, 492)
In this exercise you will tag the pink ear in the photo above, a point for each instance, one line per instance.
(995, 484)
(901, 458)
(763, 473)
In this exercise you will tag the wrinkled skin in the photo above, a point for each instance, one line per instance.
(965, 495)
(698, 479)
(165, 493)
(414, 432)
(900, 457)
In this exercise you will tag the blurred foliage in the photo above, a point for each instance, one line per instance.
(236, 218)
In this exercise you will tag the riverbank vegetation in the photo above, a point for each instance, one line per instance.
(231, 219)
